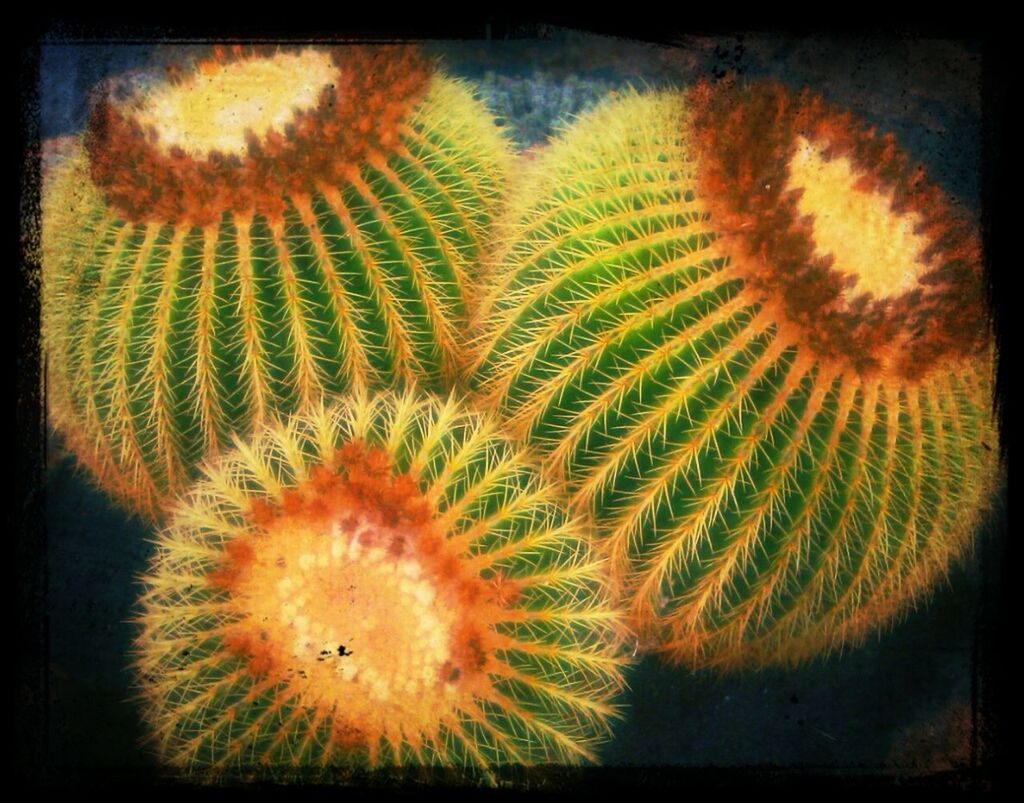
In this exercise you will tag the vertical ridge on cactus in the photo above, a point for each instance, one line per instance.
(376, 583)
(783, 431)
(199, 277)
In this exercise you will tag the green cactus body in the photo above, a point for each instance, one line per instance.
(195, 283)
(377, 583)
(782, 444)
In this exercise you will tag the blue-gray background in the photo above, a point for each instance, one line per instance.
(901, 703)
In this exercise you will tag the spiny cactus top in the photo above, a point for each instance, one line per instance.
(753, 342)
(376, 583)
(245, 238)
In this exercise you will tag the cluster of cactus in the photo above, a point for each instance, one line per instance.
(687, 400)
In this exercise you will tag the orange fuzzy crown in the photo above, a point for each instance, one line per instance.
(746, 138)
(357, 114)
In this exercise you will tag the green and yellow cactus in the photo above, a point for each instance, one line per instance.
(248, 237)
(376, 583)
(752, 342)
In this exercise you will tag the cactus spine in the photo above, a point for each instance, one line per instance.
(208, 263)
(376, 583)
(752, 343)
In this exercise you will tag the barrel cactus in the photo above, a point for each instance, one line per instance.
(375, 583)
(752, 341)
(244, 238)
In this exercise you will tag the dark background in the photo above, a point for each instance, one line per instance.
(916, 701)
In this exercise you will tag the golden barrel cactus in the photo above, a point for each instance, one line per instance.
(376, 583)
(267, 229)
(751, 340)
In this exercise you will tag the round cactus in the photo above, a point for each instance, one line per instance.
(250, 236)
(753, 343)
(376, 583)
